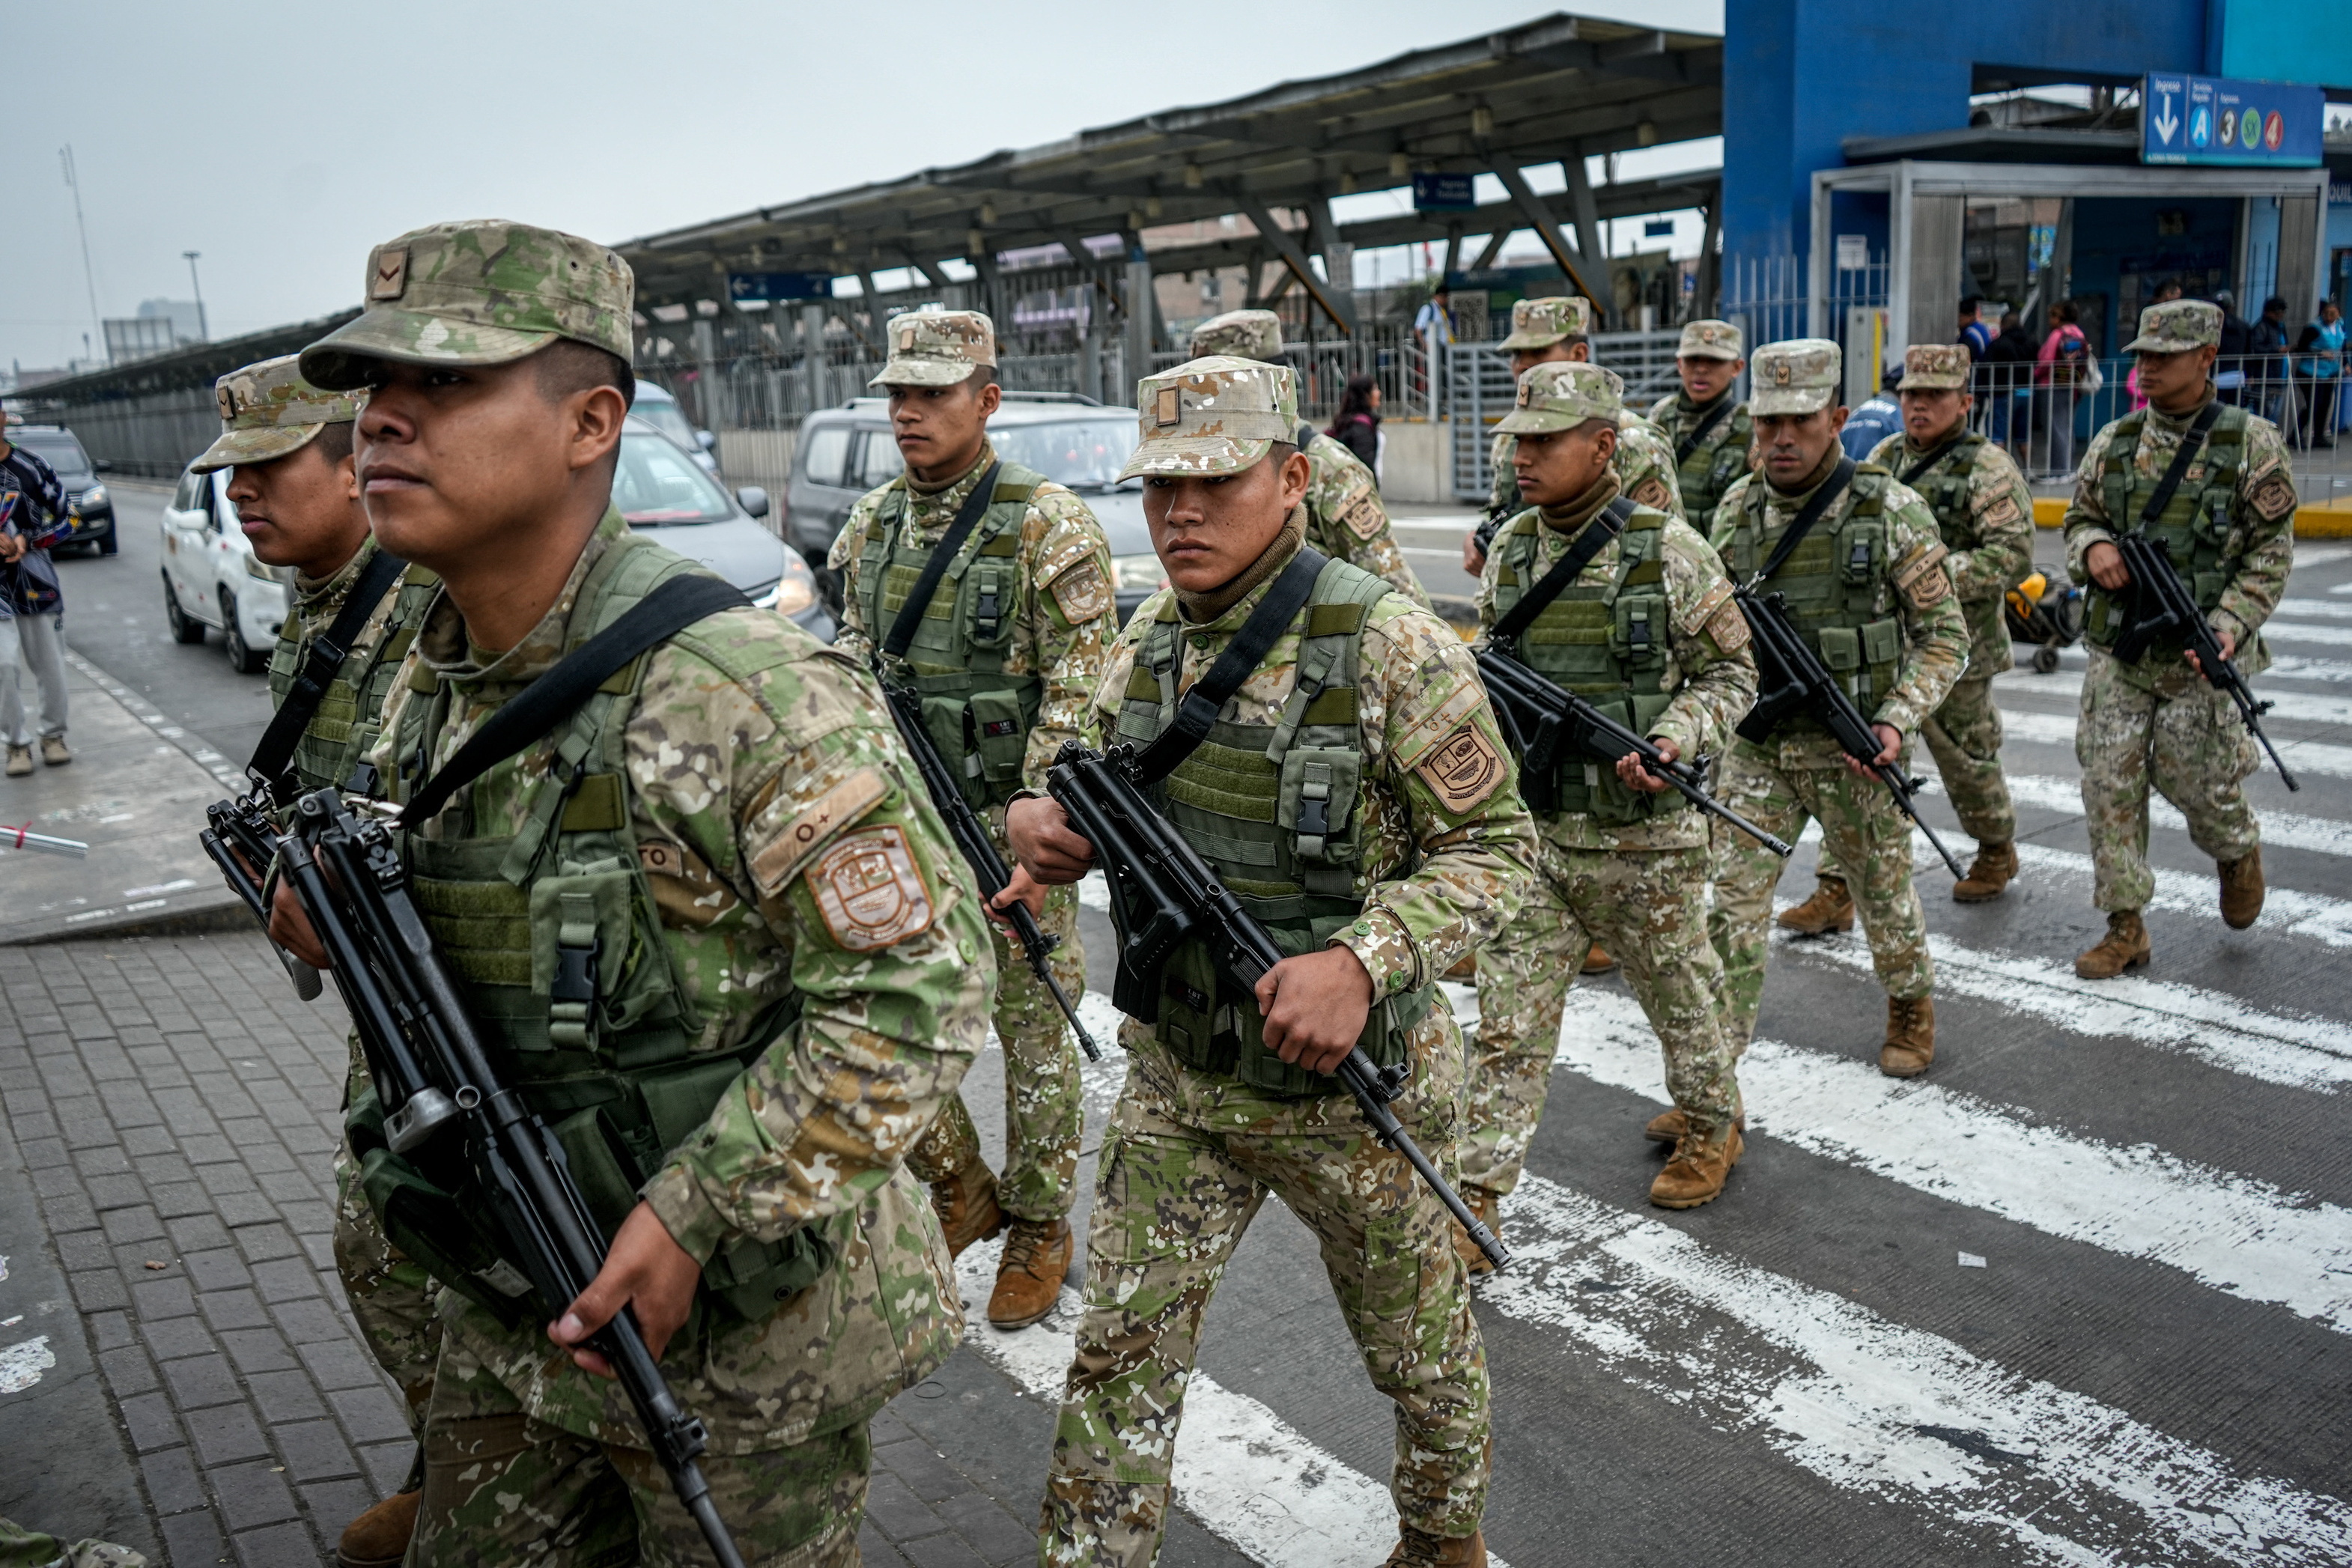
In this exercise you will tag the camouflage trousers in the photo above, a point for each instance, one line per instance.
(1189, 1159)
(1964, 737)
(1777, 787)
(1648, 908)
(22, 1547)
(2187, 743)
(391, 1296)
(1044, 1114)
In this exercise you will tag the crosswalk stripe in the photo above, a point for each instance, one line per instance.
(1873, 1407)
(2295, 605)
(2315, 757)
(2302, 707)
(2306, 631)
(2313, 916)
(2281, 830)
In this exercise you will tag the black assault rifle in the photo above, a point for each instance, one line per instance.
(2161, 612)
(970, 835)
(432, 1068)
(1162, 893)
(1544, 721)
(1791, 681)
(243, 841)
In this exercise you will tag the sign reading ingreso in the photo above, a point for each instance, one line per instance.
(1444, 192)
(2214, 119)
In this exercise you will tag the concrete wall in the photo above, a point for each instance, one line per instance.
(154, 437)
(1417, 468)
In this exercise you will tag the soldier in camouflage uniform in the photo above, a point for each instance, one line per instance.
(22, 1547)
(2229, 530)
(1868, 590)
(289, 445)
(713, 928)
(1006, 658)
(1355, 795)
(1648, 630)
(1345, 519)
(1710, 430)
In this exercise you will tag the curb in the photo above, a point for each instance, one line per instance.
(225, 913)
(2329, 522)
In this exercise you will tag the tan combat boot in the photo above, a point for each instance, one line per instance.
(1910, 1036)
(1989, 873)
(1830, 908)
(1669, 1125)
(966, 1203)
(1029, 1277)
(1488, 1206)
(1416, 1548)
(20, 761)
(2242, 889)
(1597, 960)
(1698, 1170)
(379, 1538)
(53, 751)
(2123, 947)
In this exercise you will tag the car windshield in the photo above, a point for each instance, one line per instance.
(665, 416)
(657, 484)
(1084, 454)
(62, 453)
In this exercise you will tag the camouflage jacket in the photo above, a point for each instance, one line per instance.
(1447, 841)
(1066, 614)
(1934, 630)
(1714, 463)
(344, 726)
(1644, 465)
(763, 809)
(2262, 525)
(1992, 548)
(1346, 521)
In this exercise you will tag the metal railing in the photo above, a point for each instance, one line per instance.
(1479, 390)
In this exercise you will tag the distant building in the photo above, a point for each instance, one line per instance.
(161, 326)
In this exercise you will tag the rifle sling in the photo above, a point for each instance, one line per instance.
(1715, 417)
(1197, 713)
(1565, 571)
(918, 598)
(328, 652)
(2191, 443)
(537, 707)
(1832, 487)
(1911, 475)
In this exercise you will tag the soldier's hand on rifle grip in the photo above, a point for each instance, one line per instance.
(1474, 559)
(1887, 754)
(2105, 564)
(1315, 1007)
(1633, 775)
(2229, 641)
(1022, 889)
(290, 928)
(645, 1270)
(1043, 841)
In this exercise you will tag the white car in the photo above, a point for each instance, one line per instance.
(212, 579)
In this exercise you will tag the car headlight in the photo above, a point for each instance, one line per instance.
(93, 498)
(789, 596)
(1137, 571)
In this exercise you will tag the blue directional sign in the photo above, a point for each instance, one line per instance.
(1443, 192)
(778, 287)
(2214, 119)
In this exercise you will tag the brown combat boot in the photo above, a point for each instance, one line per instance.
(379, 1538)
(1910, 1036)
(1830, 908)
(966, 1203)
(2242, 889)
(1669, 1125)
(2123, 947)
(1416, 1548)
(1597, 960)
(1487, 1205)
(1989, 873)
(1029, 1277)
(1698, 1170)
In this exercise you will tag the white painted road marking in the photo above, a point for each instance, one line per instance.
(2317, 757)
(2302, 707)
(2281, 830)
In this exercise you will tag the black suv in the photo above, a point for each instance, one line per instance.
(841, 453)
(93, 509)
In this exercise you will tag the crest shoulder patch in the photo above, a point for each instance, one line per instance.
(1363, 517)
(1081, 593)
(869, 891)
(775, 863)
(1462, 770)
(2275, 497)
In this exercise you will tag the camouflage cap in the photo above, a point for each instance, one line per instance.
(1560, 395)
(1799, 376)
(1213, 416)
(267, 411)
(1250, 334)
(485, 291)
(1539, 323)
(1710, 340)
(2177, 326)
(1935, 367)
(937, 348)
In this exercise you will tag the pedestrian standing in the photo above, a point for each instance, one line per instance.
(2065, 369)
(1880, 416)
(2008, 384)
(2275, 402)
(2227, 521)
(1975, 336)
(1710, 427)
(33, 517)
(1433, 325)
(2319, 360)
(1357, 425)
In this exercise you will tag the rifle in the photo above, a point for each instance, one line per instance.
(1793, 681)
(2162, 611)
(1162, 893)
(970, 835)
(239, 837)
(1542, 719)
(432, 1068)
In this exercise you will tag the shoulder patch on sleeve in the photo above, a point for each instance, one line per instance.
(1064, 548)
(1363, 516)
(844, 804)
(2003, 508)
(1462, 769)
(2273, 498)
(1703, 608)
(1728, 627)
(1652, 493)
(1082, 592)
(1920, 577)
(869, 891)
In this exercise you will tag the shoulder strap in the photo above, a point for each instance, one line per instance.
(1715, 417)
(1911, 475)
(1598, 533)
(537, 707)
(918, 598)
(1832, 487)
(2192, 444)
(1199, 709)
(318, 671)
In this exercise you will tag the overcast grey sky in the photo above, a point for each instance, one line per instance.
(282, 139)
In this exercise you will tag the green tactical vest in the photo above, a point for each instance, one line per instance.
(1606, 639)
(556, 936)
(344, 726)
(978, 716)
(1832, 582)
(1277, 811)
(2198, 526)
(1713, 465)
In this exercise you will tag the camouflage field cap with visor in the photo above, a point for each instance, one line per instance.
(1248, 334)
(1935, 367)
(1539, 323)
(2176, 327)
(1710, 340)
(267, 411)
(1562, 394)
(1213, 416)
(937, 348)
(485, 291)
(1799, 376)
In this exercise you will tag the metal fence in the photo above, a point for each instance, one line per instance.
(1479, 389)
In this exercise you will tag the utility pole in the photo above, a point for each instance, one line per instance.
(203, 333)
(88, 278)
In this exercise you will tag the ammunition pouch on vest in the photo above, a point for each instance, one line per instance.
(1703, 477)
(1833, 583)
(978, 716)
(2198, 526)
(1945, 488)
(1278, 811)
(343, 726)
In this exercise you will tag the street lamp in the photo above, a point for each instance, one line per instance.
(203, 333)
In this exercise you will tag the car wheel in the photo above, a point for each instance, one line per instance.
(107, 546)
(184, 628)
(242, 658)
